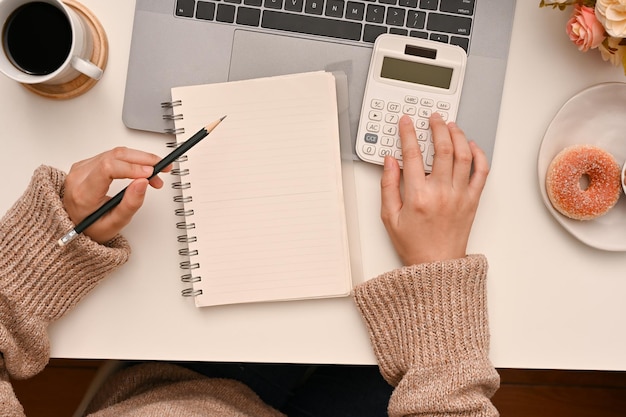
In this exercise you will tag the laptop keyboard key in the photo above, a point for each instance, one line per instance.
(206, 10)
(464, 7)
(334, 8)
(395, 16)
(418, 34)
(185, 8)
(314, 7)
(416, 20)
(438, 37)
(398, 31)
(429, 4)
(248, 16)
(456, 25)
(375, 14)
(371, 32)
(462, 42)
(311, 25)
(411, 4)
(294, 5)
(355, 11)
(273, 4)
(225, 13)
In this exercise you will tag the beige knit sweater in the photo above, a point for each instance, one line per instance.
(428, 325)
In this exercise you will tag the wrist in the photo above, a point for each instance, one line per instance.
(41, 278)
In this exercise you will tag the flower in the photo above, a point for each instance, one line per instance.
(612, 14)
(596, 24)
(584, 29)
(612, 52)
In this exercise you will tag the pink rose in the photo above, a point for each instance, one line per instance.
(584, 29)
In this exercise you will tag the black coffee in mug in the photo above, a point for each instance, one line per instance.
(37, 38)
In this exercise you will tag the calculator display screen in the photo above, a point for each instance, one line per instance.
(416, 72)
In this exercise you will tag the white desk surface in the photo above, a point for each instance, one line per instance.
(554, 302)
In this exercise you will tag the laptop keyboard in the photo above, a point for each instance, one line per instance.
(448, 21)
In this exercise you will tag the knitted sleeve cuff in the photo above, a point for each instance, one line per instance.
(426, 315)
(39, 280)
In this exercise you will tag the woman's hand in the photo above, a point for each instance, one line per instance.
(431, 220)
(88, 181)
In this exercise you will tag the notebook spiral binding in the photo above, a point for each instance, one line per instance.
(186, 225)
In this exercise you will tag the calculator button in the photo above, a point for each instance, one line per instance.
(410, 110)
(422, 124)
(371, 138)
(393, 107)
(399, 144)
(390, 130)
(373, 127)
(384, 152)
(423, 136)
(391, 118)
(424, 112)
(410, 99)
(376, 116)
(387, 141)
(442, 105)
(378, 104)
(397, 155)
(427, 102)
(444, 115)
(430, 156)
(369, 149)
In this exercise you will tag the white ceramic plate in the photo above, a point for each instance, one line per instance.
(595, 116)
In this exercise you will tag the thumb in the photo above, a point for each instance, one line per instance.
(390, 188)
(132, 201)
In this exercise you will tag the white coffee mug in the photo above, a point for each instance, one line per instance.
(44, 42)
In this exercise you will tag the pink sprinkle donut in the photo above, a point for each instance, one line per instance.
(583, 182)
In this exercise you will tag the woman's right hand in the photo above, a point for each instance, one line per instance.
(432, 218)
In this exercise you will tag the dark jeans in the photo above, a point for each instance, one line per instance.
(309, 390)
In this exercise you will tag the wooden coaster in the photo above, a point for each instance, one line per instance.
(99, 56)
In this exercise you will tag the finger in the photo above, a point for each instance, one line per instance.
(121, 162)
(156, 182)
(133, 199)
(134, 156)
(444, 150)
(391, 200)
(98, 180)
(462, 156)
(481, 170)
(412, 159)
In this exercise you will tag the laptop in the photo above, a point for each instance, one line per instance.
(188, 42)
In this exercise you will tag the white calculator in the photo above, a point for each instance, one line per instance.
(408, 76)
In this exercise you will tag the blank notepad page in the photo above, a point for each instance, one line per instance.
(266, 190)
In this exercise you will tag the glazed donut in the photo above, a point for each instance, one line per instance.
(568, 172)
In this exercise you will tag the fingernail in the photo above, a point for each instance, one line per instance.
(387, 163)
(405, 120)
(148, 170)
(436, 115)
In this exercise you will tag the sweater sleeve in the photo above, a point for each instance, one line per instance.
(39, 280)
(429, 330)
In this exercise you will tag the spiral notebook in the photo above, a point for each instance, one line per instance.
(262, 196)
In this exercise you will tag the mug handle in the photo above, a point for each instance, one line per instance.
(89, 69)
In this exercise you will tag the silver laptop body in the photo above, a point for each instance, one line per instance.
(179, 42)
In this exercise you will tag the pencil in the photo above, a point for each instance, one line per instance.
(160, 166)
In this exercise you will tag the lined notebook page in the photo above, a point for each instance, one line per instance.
(266, 187)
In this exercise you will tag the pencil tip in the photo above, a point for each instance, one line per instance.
(222, 118)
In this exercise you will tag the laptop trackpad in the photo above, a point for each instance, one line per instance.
(257, 54)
